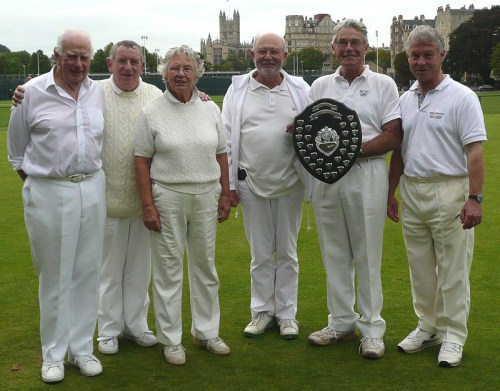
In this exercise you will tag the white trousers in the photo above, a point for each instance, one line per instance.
(272, 227)
(350, 216)
(65, 224)
(125, 277)
(188, 221)
(439, 253)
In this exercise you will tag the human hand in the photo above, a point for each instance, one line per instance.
(18, 95)
(471, 214)
(151, 219)
(234, 199)
(203, 96)
(224, 208)
(392, 208)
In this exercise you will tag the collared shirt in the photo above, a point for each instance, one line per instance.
(118, 91)
(373, 96)
(435, 131)
(52, 135)
(266, 149)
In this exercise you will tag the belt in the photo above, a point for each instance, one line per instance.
(242, 174)
(72, 178)
(369, 158)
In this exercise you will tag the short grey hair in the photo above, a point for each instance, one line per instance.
(259, 36)
(191, 55)
(69, 33)
(427, 35)
(127, 44)
(350, 24)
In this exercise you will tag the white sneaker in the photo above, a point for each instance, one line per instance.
(289, 328)
(89, 364)
(372, 347)
(450, 354)
(108, 345)
(145, 339)
(328, 336)
(259, 324)
(175, 355)
(215, 345)
(417, 340)
(52, 371)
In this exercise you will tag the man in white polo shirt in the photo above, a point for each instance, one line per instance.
(441, 169)
(264, 176)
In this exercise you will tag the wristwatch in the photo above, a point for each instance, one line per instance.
(477, 197)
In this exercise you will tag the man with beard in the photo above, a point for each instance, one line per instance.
(264, 176)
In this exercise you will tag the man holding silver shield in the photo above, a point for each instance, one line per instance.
(350, 213)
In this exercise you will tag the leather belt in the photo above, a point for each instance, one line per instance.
(76, 178)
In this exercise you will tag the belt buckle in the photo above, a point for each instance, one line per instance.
(76, 178)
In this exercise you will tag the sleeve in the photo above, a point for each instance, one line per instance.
(144, 139)
(18, 135)
(226, 123)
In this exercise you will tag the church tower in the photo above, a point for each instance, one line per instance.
(229, 29)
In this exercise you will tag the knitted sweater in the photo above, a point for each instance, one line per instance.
(182, 139)
(122, 198)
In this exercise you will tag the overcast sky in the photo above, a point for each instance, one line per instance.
(34, 24)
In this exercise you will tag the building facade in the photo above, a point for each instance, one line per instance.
(317, 32)
(215, 51)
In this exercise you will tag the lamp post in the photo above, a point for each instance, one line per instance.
(38, 62)
(376, 35)
(157, 59)
(24, 71)
(302, 67)
(144, 37)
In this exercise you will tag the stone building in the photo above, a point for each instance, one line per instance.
(217, 50)
(317, 32)
(446, 21)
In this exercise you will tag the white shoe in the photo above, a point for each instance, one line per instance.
(289, 328)
(52, 371)
(372, 347)
(328, 336)
(215, 345)
(259, 324)
(89, 364)
(145, 339)
(450, 354)
(108, 345)
(175, 355)
(417, 340)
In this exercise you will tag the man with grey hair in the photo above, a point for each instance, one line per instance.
(264, 176)
(54, 143)
(126, 267)
(440, 167)
(350, 213)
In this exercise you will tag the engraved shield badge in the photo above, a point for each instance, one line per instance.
(327, 139)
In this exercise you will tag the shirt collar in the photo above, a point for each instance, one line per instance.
(117, 90)
(254, 84)
(194, 95)
(363, 74)
(51, 81)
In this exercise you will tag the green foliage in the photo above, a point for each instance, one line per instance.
(384, 57)
(310, 59)
(234, 63)
(98, 64)
(402, 69)
(495, 60)
(472, 43)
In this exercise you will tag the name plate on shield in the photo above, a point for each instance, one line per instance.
(327, 139)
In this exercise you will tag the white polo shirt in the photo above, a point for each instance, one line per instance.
(435, 133)
(266, 149)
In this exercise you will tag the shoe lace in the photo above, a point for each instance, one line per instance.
(286, 323)
(371, 343)
(451, 347)
(105, 340)
(87, 359)
(176, 348)
(258, 320)
(53, 364)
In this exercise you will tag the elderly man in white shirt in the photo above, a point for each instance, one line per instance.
(54, 143)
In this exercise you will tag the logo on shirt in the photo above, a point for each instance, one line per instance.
(363, 92)
(436, 115)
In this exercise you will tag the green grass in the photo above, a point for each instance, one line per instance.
(268, 362)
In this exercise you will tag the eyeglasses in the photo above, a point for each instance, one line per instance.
(75, 57)
(343, 43)
(187, 70)
(272, 52)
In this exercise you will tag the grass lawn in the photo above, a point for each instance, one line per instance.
(267, 362)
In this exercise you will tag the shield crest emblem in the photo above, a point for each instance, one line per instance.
(327, 139)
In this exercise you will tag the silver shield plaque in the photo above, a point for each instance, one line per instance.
(327, 139)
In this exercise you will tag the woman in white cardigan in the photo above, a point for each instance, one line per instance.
(182, 176)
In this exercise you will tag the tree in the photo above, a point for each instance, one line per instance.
(384, 57)
(495, 60)
(38, 60)
(402, 69)
(98, 64)
(472, 43)
(4, 49)
(310, 59)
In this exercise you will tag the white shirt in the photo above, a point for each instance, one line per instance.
(51, 135)
(266, 149)
(373, 96)
(435, 134)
